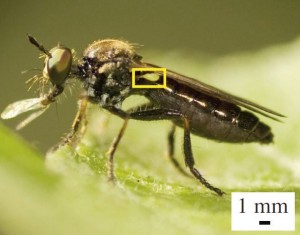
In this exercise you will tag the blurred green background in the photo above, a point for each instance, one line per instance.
(193, 30)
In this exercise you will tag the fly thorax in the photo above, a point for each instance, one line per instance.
(106, 68)
(107, 83)
(116, 83)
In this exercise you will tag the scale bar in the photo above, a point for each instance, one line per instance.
(264, 222)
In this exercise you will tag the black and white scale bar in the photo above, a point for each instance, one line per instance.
(264, 222)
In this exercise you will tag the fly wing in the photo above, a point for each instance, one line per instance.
(23, 106)
(30, 118)
(215, 92)
(20, 107)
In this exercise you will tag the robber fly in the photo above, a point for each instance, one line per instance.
(105, 71)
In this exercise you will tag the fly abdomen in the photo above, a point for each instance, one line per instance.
(240, 126)
(226, 122)
(258, 131)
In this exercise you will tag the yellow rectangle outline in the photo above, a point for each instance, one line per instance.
(163, 70)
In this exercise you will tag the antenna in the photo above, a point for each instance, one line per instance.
(34, 42)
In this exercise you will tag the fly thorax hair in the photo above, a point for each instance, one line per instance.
(109, 84)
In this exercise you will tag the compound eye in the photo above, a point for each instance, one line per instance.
(59, 65)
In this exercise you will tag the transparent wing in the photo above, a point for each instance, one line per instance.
(22, 106)
(30, 118)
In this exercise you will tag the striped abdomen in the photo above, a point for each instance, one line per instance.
(211, 117)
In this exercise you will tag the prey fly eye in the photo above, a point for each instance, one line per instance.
(58, 66)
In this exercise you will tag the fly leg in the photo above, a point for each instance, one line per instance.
(189, 159)
(162, 114)
(171, 135)
(112, 150)
(113, 147)
(79, 120)
(144, 114)
(170, 153)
